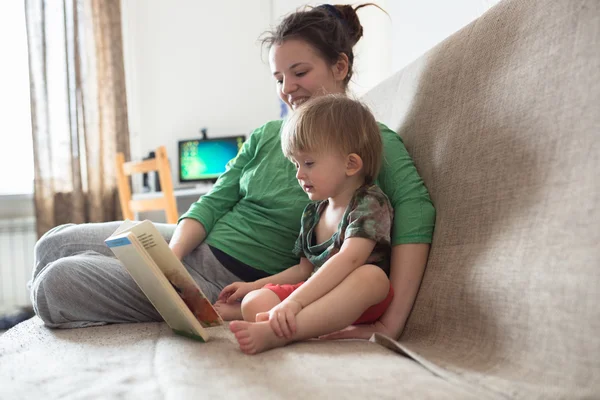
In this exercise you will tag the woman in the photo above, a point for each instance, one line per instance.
(240, 230)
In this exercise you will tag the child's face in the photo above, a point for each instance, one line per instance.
(321, 175)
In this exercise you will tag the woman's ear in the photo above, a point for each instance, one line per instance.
(340, 68)
(354, 164)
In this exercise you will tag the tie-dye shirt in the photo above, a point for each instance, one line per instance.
(368, 215)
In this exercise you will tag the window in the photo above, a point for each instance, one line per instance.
(16, 146)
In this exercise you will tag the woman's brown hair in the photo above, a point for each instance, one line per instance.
(330, 29)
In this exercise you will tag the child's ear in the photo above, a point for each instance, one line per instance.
(354, 164)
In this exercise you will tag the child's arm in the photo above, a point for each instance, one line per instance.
(354, 253)
(292, 275)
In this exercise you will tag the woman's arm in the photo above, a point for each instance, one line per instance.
(408, 266)
(225, 193)
(188, 235)
(194, 225)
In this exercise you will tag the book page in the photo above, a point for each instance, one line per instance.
(126, 225)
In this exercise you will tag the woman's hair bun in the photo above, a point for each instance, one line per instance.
(350, 19)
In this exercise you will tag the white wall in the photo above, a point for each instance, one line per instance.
(417, 26)
(191, 64)
(197, 63)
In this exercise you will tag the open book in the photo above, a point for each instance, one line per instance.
(163, 279)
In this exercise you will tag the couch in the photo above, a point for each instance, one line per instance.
(503, 122)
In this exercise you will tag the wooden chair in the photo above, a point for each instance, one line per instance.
(165, 202)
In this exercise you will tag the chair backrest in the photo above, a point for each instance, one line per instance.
(165, 202)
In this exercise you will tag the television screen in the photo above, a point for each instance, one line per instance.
(205, 159)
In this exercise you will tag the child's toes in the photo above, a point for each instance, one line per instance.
(242, 335)
(248, 349)
(237, 326)
(245, 341)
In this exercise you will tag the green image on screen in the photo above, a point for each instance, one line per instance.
(206, 159)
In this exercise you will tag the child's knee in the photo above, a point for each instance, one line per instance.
(258, 301)
(373, 277)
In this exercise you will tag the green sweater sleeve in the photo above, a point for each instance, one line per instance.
(414, 214)
(226, 192)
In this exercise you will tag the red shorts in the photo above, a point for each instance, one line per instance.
(371, 315)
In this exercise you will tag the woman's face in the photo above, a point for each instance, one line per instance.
(301, 72)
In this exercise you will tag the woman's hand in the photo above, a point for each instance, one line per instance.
(282, 318)
(236, 291)
(359, 332)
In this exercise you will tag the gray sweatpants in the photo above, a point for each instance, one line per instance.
(77, 281)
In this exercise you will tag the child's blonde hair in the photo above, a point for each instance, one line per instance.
(335, 123)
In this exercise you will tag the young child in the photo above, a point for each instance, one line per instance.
(344, 242)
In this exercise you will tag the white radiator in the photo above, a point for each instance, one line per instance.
(17, 239)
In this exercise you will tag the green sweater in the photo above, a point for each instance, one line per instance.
(253, 212)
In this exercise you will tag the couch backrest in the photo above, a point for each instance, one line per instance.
(503, 122)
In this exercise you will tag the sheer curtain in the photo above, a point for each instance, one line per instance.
(78, 107)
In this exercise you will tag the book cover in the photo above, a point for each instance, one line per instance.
(163, 279)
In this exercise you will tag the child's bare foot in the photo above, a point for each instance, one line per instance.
(229, 311)
(256, 337)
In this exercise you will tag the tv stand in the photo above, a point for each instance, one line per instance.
(188, 191)
(185, 197)
(205, 186)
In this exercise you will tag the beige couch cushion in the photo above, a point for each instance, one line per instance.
(147, 361)
(503, 122)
